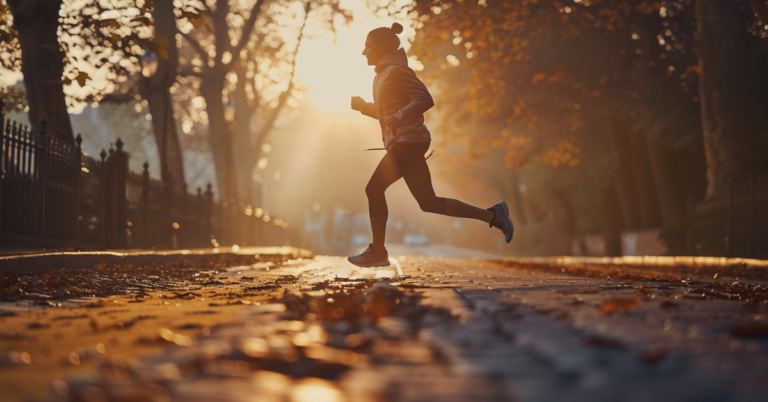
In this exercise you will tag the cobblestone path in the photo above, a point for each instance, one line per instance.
(448, 329)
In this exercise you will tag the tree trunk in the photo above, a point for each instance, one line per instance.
(649, 211)
(155, 90)
(624, 177)
(220, 136)
(42, 63)
(247, 142)
(732, 89)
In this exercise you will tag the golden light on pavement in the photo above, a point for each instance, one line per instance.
(315, 390)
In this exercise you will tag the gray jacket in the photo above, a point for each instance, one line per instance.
(397, 91)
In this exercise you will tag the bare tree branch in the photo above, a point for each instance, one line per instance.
(188, 72)
(221, 38)
(267, 127)
(207, 7)
(195, 44)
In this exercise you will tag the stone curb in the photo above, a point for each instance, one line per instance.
(658, 261)
(45, 262)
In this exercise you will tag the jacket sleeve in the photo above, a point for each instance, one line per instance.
(370, 110)
(409, 85)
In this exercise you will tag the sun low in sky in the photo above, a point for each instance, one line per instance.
(335, 72)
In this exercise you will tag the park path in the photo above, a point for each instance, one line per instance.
(429, 329)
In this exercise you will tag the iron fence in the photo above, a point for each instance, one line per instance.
(733, 224)
(54, 195)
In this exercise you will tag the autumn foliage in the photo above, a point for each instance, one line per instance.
(527, 70)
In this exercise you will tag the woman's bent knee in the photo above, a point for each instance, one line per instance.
(373, 191)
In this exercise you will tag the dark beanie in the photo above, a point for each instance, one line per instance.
(387, 36)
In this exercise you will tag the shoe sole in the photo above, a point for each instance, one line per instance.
(509, 221)
(372, 265)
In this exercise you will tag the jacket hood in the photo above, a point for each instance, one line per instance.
(396, 58)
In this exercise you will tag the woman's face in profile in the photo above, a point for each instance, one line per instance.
(372, 52)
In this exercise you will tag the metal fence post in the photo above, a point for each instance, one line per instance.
(104, 197)
(145, 189)
(185, 221)
(42, 176)
(2, 157)
(751, 192)
(729, 223)
(690, 215)
(78, 173)
(199, 218)
(169, 189)
(121, 195)
(209, 211)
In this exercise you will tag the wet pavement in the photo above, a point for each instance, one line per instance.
(423, 329)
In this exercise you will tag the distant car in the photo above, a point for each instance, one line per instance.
(359, 239)
(415, 239)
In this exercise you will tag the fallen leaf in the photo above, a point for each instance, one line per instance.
(94, 324)
(750, 330)
(668, 304)
(654, 354)
(102, 303)
(611, 305)
(184, 295)
(68, 317)
(602, 341)
(579, 291)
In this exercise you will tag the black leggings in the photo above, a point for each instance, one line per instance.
(406, 160)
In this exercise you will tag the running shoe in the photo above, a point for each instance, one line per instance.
(501, 220)
(370, 258)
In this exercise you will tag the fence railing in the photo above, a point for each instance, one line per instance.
(734, 224)
(54, 195)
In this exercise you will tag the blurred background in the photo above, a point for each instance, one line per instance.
(609, 127)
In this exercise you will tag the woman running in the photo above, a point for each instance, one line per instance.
(399, 102)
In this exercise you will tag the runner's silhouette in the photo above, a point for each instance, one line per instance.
(400, 100)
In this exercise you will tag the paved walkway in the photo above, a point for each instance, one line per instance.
(448, 329)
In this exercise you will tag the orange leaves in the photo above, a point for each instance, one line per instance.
(516, 80)
(158, 45)
(106, 23)
(612, 305)
(142, 21)
(564, 153)
(693, 69)
(559, 76)
(648, 7)
(80, 78)
(196, 19)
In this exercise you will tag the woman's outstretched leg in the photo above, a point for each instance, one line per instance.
(419, 180)
(385, 174)
(460, 209)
